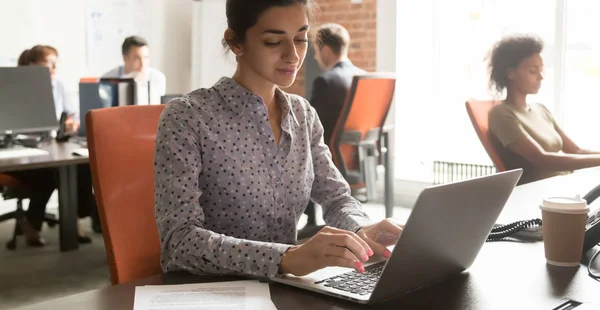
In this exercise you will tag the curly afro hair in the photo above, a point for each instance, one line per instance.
(509, 53)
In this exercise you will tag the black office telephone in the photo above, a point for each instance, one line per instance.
(61, 134)
(592, 229)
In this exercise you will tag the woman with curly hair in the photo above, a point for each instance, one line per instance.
(528, 135)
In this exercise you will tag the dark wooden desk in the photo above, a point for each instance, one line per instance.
(506, 274)
(60, 156)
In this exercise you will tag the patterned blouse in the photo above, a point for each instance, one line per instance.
(227, 196)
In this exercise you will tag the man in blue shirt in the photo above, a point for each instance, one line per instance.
(136, 59)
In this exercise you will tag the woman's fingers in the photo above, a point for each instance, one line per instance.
(334, 261)
(347, 241)
(352, 241)
(342, 257)
(391, 227)
(378, 248)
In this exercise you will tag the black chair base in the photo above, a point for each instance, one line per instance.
(19, 216)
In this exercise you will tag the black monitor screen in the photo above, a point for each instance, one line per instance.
(95, 96)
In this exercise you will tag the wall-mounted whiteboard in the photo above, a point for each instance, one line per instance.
(108, 23)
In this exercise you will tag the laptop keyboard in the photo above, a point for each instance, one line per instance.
(354, 282)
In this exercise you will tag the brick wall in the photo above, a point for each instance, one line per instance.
(360, 19)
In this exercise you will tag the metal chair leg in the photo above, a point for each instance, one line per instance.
(12, 244)
(19, 214)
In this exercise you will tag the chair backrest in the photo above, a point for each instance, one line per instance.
(478, 113)
(9, 181)
(121, 142)
(89, 80)
(11, 187)
(364, 113)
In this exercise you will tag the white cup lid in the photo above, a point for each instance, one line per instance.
(571, 205)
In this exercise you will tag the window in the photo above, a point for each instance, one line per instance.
(442, 62)
(581, 97)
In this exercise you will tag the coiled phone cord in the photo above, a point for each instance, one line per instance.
(507, 230)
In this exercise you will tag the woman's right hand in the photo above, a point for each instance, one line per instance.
(71, 124)
(329, 247)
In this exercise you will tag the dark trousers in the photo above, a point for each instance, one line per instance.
(41, 183)
(86, 202)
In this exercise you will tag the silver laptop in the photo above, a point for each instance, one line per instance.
(444, 233)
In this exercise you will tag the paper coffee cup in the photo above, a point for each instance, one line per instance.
(563, 225)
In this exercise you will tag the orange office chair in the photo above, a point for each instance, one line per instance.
(478, 113)
(88, 80)
(361, 123)
(11, 188)
(121, 142)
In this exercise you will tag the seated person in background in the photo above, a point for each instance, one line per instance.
(43, 182)
(530, 137)
(236, 164)
(47, 56)
(331, 87)
(136, 59)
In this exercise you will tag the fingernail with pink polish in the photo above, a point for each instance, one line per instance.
(366, 258)
(358, 266)
(370, 252)
(387, 254)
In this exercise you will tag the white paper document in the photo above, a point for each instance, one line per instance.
(235, 295)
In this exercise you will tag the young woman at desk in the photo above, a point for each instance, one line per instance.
(236, 164)
(42, 182)
(530, 137)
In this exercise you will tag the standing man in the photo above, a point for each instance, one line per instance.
(136, 59)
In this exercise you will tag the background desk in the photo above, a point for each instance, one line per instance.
(506, 274)
(60, 156)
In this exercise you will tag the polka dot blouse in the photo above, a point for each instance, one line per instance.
(227, 196)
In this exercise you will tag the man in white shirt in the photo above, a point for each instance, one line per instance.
(136, 58)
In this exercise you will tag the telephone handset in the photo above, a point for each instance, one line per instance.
(61, 135)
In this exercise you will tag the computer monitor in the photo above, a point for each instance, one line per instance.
(95, 95)
(166, 98)
(26, 100)
(126, 93)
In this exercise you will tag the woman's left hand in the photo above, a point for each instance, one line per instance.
(379, 236)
